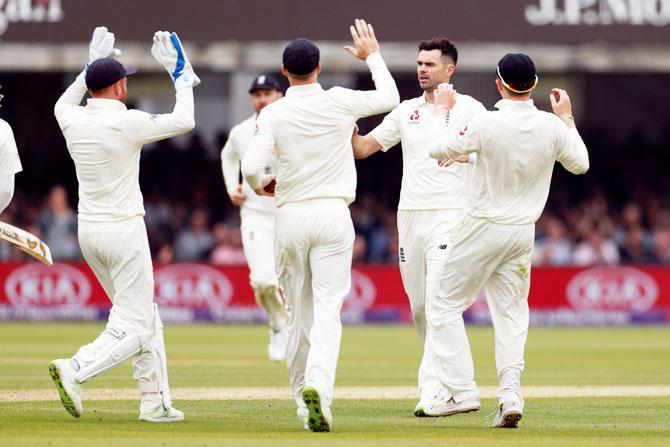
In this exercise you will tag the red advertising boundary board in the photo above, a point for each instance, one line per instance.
(204, 292)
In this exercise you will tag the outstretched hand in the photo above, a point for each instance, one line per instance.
(168, 50)
(102, 45)
(365, 42)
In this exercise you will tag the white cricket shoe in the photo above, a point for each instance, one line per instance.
(277, 346)
(451, 407)
(69, 389)
(508, 415)
(319, 417)
(163, 414)
(423, 403)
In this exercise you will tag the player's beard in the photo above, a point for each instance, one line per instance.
(429, 87)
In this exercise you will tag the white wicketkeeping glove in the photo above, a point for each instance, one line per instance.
(169, 52)
(102, 45)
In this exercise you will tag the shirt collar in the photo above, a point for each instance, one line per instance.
(104, 103)
(304, 89)
(509, 104)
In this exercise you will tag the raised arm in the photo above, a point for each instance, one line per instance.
(571, 150)
(100, 46)
(144, 127)
(366, 48)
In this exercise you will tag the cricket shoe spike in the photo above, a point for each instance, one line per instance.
(303, 417)
(508, 415)
(319, 418)
(419, 410)
(451, 407)
(163, 414)
(63, 374)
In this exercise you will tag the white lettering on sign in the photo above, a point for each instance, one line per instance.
(29, 11)
(36, 285)
(599, 12)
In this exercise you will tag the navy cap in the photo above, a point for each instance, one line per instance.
(265, 81)
(301, 57)
(517, 72)
(105, 72)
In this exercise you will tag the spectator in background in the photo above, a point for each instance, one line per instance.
(662, 245)
(58, 223)
(195, 242)
(635, 249)
(228, 249)
(553, 248)
(596, 249)
(360, 250)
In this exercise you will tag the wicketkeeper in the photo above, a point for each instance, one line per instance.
(105, 140)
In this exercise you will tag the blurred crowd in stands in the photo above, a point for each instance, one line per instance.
(189, 216)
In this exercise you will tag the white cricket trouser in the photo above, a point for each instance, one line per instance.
(119, 255)
(313, 242)
(258, 238)
(498, 258)
(423, 237)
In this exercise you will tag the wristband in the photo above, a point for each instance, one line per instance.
(566, 116)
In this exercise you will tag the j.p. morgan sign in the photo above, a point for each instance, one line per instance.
(599, 12)
(216, 21)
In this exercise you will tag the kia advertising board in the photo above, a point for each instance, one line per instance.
(200, 292)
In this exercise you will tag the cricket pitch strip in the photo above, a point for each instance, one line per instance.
(343, 392)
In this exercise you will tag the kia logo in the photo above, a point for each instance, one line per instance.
(36, 285)
(612, 288)
(192, 286)
(363, 292)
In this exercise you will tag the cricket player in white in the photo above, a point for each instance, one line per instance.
(310, 129)
(258, 217)
(517, 147)
(10, 163)
(104, 140)
(431, 197)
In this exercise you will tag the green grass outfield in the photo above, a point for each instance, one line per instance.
(234, 356)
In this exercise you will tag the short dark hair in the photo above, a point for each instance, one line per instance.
(440, 43)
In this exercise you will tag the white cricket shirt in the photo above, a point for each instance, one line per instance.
(10, 163)
(516, 149)
(233, 151)
(104, 140)
(310, 129)
(425, 185)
